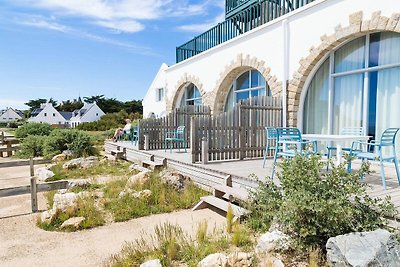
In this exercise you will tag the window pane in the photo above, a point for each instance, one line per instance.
(347, 102)
(254, 93)
(256, 79)
(351, 56)
(196, 92)
(316, 103)
(388, 102)
(190, 91)
(243, 81)
(229, 100)
(384, 49)
(242, 95)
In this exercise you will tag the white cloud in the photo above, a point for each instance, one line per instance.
(202, 27)
(52, 24)
(122, 26)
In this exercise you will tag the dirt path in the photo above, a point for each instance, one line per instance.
(24, 244)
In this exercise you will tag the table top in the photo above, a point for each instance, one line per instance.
(335, 137)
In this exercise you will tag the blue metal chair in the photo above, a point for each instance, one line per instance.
(387, 140)
(134, 135)
(178, 136)
(291, 143)
(345, 131)
(271, 138)
(131, 135)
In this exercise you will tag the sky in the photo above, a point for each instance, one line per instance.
(69, 48)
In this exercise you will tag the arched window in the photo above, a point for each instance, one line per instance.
(357, 86)
(248, 84)
(191, 96)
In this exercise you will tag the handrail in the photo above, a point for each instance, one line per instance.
(255, 15)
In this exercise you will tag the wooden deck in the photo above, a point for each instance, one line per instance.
(244, 172)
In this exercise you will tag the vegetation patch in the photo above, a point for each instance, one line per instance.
(163, 198)
(173, 246)
(119, 168)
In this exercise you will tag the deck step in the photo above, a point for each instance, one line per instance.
(231, 193)
(151, 164)
(117, 153)
(221, 204)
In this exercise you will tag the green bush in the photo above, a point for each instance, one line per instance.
(80, 143)
(313, 206)
(32, 146)
(33, 128)
(110, 121)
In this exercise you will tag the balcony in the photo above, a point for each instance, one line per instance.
(241, 16)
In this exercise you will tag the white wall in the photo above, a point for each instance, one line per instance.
(49, 115)
(305, 26)
(93, 114)
(150, 103)
(9, 115)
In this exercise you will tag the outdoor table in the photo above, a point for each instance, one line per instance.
(339, 139)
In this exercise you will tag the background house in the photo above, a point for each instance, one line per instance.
(10, 114)
(88, 113)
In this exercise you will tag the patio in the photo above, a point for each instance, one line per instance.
(243, 171)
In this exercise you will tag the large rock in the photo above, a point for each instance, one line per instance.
(174, 179)
(47, 216)
(72, 164)
(73, 222)
(89, 162)
(59, 157)
(272, 242)
(62, 201)
(139, 178)
(67, 153)
(376, 248)
(78, 183)
(81, 163)
(44, 174)
(240, 259)
(214, 260)
(151, 263)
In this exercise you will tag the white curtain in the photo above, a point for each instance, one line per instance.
(347, 103)
(388, 89)
(351, 56)
(316, 103)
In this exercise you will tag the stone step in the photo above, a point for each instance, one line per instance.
(117, 153)
(220, 204)
(231, 193)
(151, 164)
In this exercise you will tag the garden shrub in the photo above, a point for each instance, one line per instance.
(33, 128)
(313, 206)
(32, 146)
(80, 143)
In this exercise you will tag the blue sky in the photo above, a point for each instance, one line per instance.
(66, 48)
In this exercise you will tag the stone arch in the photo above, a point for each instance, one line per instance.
(216, 98)
(181, 83)
(357, 27)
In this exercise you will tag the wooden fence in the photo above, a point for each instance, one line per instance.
(237, 134)
(155, 129)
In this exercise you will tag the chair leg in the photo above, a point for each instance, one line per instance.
(165, 146)
(273, 165)
(328, 155)
(265, 155)
(396, 165)
(383, 176)
(170, 146)
(349, 165)
(185, 144)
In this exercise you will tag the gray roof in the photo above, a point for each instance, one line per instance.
(67, 115)
(36, 111)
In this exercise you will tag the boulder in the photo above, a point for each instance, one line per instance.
(174, 179)
(272, 242)
(47, 216)
(139, 178)
(89, 162)
(142, 194)
(73, 222)
(240, 259)
(72, 164)
(136, 167)
(78, 183)
(44, 174)
(59, 157)
(62, 201)
(376, 248)
(214, 260)
(67, 153)
(151, 263)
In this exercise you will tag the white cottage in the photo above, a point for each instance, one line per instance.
(335, 63)
(11, 115)
(88, 113)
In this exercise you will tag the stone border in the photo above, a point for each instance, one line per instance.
(357, 27)
(182, 82)
(216, 98)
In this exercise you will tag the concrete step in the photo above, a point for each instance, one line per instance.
(117, 153)
(231, 193)
(212, 201)
(152, 164)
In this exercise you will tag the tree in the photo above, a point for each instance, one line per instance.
(69, 105)
(94, 98)
(35, 103)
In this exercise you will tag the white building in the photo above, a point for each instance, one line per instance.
(336, 63)
(88, 113)
(11, 115)
(48, 114)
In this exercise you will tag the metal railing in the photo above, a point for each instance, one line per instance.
(251, 17)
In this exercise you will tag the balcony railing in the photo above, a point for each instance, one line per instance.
(234, 6)
(251, 17)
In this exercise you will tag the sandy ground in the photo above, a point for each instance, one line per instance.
(22, 243)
